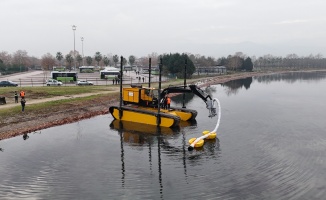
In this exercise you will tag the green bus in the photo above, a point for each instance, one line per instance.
(64, 76)
(59, 68)
(86, 69)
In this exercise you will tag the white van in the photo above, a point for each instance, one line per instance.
(53, 82)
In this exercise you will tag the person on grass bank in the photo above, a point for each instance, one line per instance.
(23, 102)
(22, 94)
(16, 97)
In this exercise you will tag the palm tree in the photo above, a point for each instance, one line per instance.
(98, 58)
(59, 57)
(106, 61)
(69, 60)
(89, 60)
(115, 60)
(124, 61)
(132, 60)
(79, 59)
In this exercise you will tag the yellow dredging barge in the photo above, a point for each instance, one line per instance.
(145, 105)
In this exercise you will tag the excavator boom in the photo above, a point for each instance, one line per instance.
(192, 89)
(188, 89)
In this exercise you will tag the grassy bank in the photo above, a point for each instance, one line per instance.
(34, 93)
(46, 92)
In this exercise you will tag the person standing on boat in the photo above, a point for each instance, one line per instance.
(168, 102)
(165, 103)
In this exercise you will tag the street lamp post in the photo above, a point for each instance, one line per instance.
(82, 39)
(20, 62)
(74, 29)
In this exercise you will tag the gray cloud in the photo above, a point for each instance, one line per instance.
(140, 27)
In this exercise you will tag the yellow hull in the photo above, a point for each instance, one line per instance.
(184, 114)
(144, 116)
(136, 128)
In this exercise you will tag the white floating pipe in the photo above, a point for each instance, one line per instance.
(192, 145)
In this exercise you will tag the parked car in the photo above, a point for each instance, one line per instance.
(53, 82)
(84, 83)
(8, 84)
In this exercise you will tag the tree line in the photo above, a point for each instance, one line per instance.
(173, 63)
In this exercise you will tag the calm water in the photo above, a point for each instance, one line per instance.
(271, 145)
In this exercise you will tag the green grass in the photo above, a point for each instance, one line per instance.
(51, 105)
(46, 92)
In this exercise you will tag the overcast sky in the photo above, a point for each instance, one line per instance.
(139, 27)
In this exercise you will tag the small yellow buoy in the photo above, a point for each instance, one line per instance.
(211, 136)
(200, 143)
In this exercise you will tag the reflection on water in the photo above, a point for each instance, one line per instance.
(233, 86)
(271, 145)
(131, 134)
(293, 77)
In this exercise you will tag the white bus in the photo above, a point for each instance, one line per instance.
(110, 73)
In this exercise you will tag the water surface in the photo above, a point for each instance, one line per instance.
(271, 145)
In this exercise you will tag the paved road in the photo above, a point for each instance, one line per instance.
(38, 78)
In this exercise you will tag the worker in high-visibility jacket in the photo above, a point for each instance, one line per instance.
(22, 94)
(168, 102)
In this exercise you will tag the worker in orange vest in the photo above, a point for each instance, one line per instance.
(168, 102)
(22, 94)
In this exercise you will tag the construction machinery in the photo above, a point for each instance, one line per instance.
(145, 105)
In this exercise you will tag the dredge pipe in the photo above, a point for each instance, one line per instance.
(192, 145)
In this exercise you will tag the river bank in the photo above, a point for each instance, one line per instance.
(72, 111)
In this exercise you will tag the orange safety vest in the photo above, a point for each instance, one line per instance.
(168, 100)
(22, 94)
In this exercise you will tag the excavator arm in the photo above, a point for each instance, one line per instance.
(192, 89)
(188, 89)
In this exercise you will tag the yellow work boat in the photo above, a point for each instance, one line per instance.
(147, 105)
(141, 105)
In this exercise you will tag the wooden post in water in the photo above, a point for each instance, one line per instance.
(149, 72)
(158, 119)
(121, 75)
(184, 84)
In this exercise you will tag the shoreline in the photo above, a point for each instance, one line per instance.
(33, 122)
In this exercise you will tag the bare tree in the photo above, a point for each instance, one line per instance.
(21, 58)
(5, 57)
(143, 61)
(47, 61)
(154, 58)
